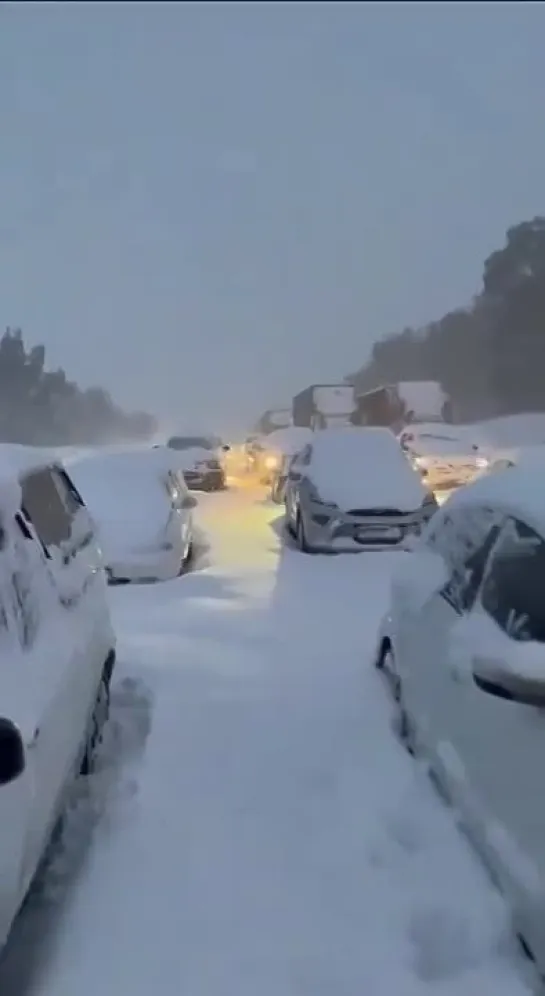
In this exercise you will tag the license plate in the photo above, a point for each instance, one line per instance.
(386, 533)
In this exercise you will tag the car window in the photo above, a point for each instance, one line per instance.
(67, 490)
(43, 505)
(512, 590)
(464, 538)
(304, 457)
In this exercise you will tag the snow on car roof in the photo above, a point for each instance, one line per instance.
(364, 467)
(288, 440)
(518, 490)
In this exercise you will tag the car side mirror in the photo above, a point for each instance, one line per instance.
(189, 501)
(226, 448)
(12, 752)
(495, 677)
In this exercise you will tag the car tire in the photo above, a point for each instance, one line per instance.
(99, 718)
(300, 535)
(387, 665)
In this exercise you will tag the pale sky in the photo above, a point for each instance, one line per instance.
(204, 208)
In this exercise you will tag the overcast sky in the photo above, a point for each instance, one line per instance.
(206, 207)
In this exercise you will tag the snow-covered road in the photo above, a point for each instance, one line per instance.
(269, 837)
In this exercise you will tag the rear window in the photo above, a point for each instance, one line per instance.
(190, 443)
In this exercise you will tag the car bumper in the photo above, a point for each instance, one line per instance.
(137, 567)
(341, 532)
(205, 480)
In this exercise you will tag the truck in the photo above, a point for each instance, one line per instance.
(323, 405)
(403, 403)
(272, 419)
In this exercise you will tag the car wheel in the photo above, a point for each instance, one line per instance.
(405, 729)
(389, 667)
(99, 717)
(301, 536)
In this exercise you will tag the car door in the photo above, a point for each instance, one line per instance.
(457, 534)
(181, 505)
(499, 743)
(21, 619)
(67, 655)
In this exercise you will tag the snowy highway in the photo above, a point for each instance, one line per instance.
(257, 830)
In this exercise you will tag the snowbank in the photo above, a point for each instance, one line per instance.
(364, 468)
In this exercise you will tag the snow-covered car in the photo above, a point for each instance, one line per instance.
(280, 446)
(354, 489)
(463, 643)
(515, 456)
(143, 511)
(57, 654)
(446, 456)
(200, 460)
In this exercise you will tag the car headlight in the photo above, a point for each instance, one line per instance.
(482, 463)
(272, 462)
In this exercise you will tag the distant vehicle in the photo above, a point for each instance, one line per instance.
(277, 446)
(447, 456)
(199, 459)
(57, 656)
(273, 419)
(323, 406)
(354, 489)
(463, 647)
(143, 512)
(398, 405)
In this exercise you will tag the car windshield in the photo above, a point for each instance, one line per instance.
(190, 443)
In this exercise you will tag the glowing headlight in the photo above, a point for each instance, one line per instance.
(481, 463)
(271, 462)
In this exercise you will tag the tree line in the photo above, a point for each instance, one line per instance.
(490, 355)
(44, 408)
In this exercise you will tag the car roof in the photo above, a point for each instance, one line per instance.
(518, 491)
(356, 438)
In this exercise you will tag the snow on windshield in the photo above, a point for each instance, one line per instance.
(364, 468)
(127, 499)
(288, 441)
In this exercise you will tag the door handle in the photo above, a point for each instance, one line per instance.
(34, 739)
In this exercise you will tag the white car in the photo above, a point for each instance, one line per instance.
(57, 654)
(143, 510)
(201, 461)
(354, 489)
(463, 643)
(446, 456)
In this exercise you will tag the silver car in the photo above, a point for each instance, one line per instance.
(354, 489)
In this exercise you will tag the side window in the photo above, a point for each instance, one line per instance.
(42, 504)
(464, 537)
(304, 457)
(67, 490)
(512, 590)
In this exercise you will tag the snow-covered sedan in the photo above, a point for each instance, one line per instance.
(57, 655)
(446, 456)
(354, 489)
(199, 457)
(463, 643)
(143, 511)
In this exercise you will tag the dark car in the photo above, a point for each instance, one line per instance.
(200, 462)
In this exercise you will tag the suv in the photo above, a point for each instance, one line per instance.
(57, 654)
